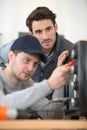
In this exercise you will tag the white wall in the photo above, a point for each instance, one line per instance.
(71, 17)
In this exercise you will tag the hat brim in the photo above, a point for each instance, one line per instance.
(42, 56)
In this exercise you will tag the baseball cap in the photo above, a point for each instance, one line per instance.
(28, 44)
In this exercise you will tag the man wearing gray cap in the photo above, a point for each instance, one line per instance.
(18, 90)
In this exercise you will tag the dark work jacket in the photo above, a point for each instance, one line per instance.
(61, 44)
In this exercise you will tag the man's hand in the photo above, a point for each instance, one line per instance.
(62, 57)
(60, 76)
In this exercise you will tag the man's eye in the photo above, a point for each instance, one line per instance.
(49, 28)
(26, 60)
(35, 65)
(38, 32)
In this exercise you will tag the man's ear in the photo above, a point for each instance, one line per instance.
(56, 27)
(30, 33)
(11, 55)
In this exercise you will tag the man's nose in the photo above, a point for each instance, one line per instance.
(45, 35)
(30, 67)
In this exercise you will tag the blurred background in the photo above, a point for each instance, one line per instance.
(71, 17)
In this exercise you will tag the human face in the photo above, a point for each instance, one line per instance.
(23, 65)
(45, 32)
